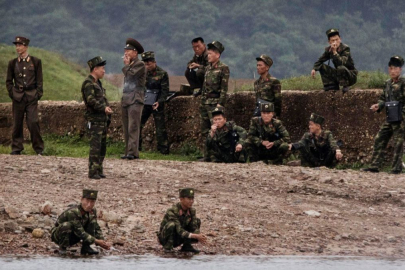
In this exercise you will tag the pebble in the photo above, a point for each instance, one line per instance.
(312, 213)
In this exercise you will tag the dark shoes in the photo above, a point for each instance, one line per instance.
(129, 157)
(189, 248)
(373, 170)
(87, 250)
(102, 175)
(329, 87)
(62, 251)
(15, 153)
(345, 89)
(95, 176)
(124, 157)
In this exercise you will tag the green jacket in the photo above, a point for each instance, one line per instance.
(273, 132)
(186, 222)
(342, 58)
(159, 80)
(269, 89)
(221, 137)
(397, 92)
(310, 141)
(95, 99)
(215, 84)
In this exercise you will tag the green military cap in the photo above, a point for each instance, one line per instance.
(147, 56)
(96, 61)
(90, 194)
(266, 107)
(332, 31)
(396, 61)
(21, 40)
(317, 119)
(266, 59)
(218, 110)
(186, 193)
(216, 45)
(133, 44)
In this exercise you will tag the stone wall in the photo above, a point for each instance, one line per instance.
(347, 116)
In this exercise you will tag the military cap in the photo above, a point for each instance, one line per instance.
(332, 31)
(21, 40)
(186, 193)
(396, 61)
(96, 61)
(218, 110)
(148, 56)
(266, 59)
(90, 194)
(317, 119)
(132, 44)
(216, 45)
(266, 107)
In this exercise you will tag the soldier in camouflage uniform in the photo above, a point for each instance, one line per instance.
(267, 88)
(98, 116)
(79, 223)
(394, 90)
(156, 79)
(180, 225)
(225, 142)
(267, 139)
(196, 67)
(214, 89)
(344, 73)
(317, 147)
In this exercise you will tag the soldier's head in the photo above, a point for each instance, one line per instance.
(149, 59)
(198, 45)
(218, 117)
(215, 49)
(89, 198)
(315, 123)
(186, 198)
(132, 48)
(267, 112)
(21, 44)
(333, 36)
(395, 66)
(264, 63)
(97, 67)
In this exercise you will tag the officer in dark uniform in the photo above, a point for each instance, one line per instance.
(196, 67)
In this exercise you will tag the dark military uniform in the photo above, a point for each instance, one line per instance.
(272, 132)
(132, 100)
(344, 73)
(156, 80)
(195, 77)
(25, 87)
(94, 97)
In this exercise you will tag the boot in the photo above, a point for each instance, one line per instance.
(62, 251)
(188, 248)
(87, 250)
(373, 170)
(328, 87)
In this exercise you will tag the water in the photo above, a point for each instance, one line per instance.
(202, 262)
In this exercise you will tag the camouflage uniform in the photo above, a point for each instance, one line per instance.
(196, 77)
(269, 89)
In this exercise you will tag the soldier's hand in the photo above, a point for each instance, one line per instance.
(334, 47)
(108, 110)
(290, 146)
(193, 65)
(313, 73)
(374, 107)
(102, 244)
(200, 237)
(219, 105)
(270, 145)
(155, 105)
(339, 155)
(238, 148)
(265, 143)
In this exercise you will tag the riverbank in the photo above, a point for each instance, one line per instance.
(246, 209)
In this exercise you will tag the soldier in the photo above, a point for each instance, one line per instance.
(77, 223)
(98, 116)
(267, 88)
(180, 225)
(24, 84)
(317, 147)
(156, 80)
(344, 73)
(196, 67)
(267, 139)
(225, 142)
(393, 93)
(132, 97)
(214, 89)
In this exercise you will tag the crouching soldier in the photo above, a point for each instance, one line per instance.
(79, 223)
(317, 147)
(180, 225)
(225, 140)
(267, 139)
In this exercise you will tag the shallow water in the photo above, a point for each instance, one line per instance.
(201, 262)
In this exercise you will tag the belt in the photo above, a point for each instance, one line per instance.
(22, 88)
(213, 95)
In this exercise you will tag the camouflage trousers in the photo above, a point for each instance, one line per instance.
(67, 233)
(219, 155)
(310, 158)
(388, 130)
(206, 116)
(276, 154)
(339, 76)
(160, 125)
(169, 238)
(98, 146)
(195, 78)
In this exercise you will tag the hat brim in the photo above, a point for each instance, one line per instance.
(264, 61)
(212, 46)
(148, 59)
(22, 43)
(102, 63)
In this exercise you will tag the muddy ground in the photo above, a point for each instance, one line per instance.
(249, 209)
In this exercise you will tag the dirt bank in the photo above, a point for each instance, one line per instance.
(245, 208)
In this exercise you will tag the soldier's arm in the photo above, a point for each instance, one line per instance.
(332, 142)
(195, 223)
(180, 230)
(324, 57)
(73, 216)
(382, 99)
(10, 78)
(254, 134)
(137, 70)
(89, 94)
(340, 59)
(165, 88)
(300, 144)
(284, 135)
(98, 231)
(242, 134)
(276, 88)
(224, 86)
(39, 78)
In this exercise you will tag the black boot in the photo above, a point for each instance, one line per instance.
(371, 169)
(188, 248)
(328, 87)
(87, 250)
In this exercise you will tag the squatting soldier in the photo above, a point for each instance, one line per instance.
(344, 73)
(267, 88)
(393, 99)
(79, 223)
(180, 225)
(317, 147)
(24, 84)
(267, 139)
(214, 89)
(157, 83)
(225, 142)
(98, 116)
(196, 67)
(132, 97)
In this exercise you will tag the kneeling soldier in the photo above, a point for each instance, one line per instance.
(318, 147)
(267, 139)
(180, 225)
(225, 140)
(79, 223)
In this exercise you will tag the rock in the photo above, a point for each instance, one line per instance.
(337, 238)
(38, 233)
(275, 235)
(326, 180)
(312, 213)
(391, 239)
(45, 171)
(10, 226)
(12, 212)
(111, 217)
(18, 231)
(46, 208)
(1, 226)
